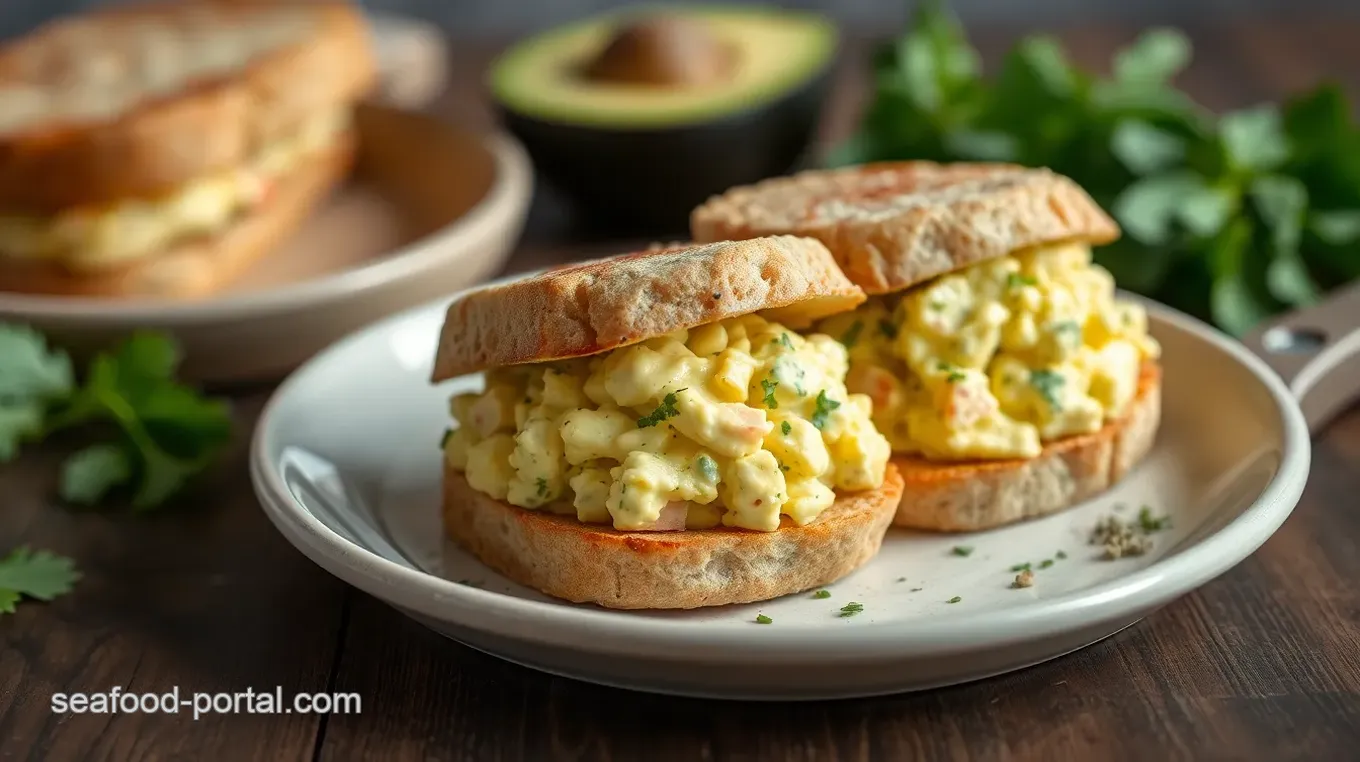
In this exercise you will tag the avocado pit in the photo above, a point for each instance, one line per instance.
(663, 50)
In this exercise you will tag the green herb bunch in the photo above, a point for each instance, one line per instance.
(1231, 218)
(158, 433)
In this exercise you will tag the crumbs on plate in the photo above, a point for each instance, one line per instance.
(1121, 539)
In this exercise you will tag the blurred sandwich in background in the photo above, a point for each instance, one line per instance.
(158, 149)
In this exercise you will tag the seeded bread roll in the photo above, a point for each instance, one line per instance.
(603, 305)
(894, 225)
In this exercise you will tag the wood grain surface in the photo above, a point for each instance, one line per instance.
(1261, 664)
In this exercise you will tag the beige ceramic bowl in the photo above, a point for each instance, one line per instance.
(431, 209)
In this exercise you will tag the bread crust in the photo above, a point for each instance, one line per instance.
(589, 563)
(893, 225)
(203, 265)
(605, 304)
(973, 496)
(163, 141)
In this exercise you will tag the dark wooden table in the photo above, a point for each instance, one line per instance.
(1261, 664)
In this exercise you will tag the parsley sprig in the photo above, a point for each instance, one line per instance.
(160, 433)
(1232, 218)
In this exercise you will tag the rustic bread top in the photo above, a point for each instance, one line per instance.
(134, 99)
(894, 225)
(601, 305)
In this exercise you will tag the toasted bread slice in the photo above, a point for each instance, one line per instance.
(134, 100)
(202, 265)
(894, 225)
(972, 496)
(591, 563)
(597, 306)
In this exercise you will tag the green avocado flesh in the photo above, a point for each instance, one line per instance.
(776, 51)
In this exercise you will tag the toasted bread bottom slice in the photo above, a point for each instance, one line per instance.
(977, 495)
(589, 563)
(201, 265)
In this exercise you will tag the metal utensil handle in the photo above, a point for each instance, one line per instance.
(1316, 350)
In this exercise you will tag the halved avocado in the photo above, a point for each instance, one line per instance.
(640, 116)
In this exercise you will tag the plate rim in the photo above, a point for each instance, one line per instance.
(508, 195)
(615, 632)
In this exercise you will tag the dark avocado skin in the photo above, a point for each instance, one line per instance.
(646, 181)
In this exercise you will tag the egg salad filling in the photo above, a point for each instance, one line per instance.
(112, 235)
(734, 424)
(995, 360)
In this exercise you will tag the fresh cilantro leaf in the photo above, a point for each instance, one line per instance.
(822, 408)
(1049, 384)
(88, 475)
(768, 386)
(962, 550)
(663, 411)
(1254, 139)
(786, 428)
(1282, 202)
(955, 599)
(822, 594)
(1145, 149)
(32, 376)
(41, 575)
(1153, 59)
(786, 341)
(852, 608)
(1016, 280)
(1236, 306)
(852, 334)
(762, 619)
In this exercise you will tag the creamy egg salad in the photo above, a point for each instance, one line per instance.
(107, 236)
(995, 360)
(733, 424)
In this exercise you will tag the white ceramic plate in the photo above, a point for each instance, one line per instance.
(346, 463)
(431, 208)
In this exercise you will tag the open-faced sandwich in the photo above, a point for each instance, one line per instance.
(655, 432)
(157, 149)
(1008, 377)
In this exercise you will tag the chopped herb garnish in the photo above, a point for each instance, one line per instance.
(1150, 523)
(1047, 562)
(886, 328)
(1067, 330)
(955, 599)
(1061, 554)
(1021, 567)
(917, 589)
(708, 468)
(1047, 383)
(823, 409)
(444, 440)
(762, 619)
(542, 486)
(663, 411)
(822, 594)
(768, 386)
(901, 579)
(852, 335)
(954, 377)
(786, 428)
(1016, 280)
(852, 608)
(936, 305)
(962, 550)
(786, 341)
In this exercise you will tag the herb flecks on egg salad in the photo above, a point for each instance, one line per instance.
(736, 423)
(997, 359)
